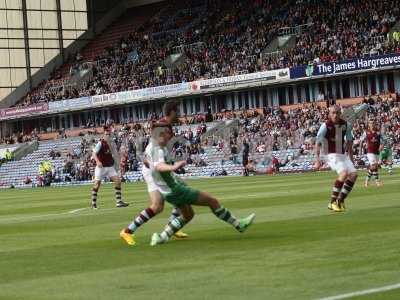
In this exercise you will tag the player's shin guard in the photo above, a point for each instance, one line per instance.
(337, 187)
(118, 194)
(347, 187)
(142, 218)
(226, 216)
(94, 196)
(174, 226)
(174, 214)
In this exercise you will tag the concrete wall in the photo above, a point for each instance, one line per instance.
(57, 61)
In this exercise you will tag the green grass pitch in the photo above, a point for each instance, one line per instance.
(296, 249)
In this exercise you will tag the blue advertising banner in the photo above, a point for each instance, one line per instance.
(70, 104)
(344, 66)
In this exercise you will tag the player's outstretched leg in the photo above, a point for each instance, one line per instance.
(157, 206)
(174, 214)
(95, 190)
(223, 213)
(346, 189)
(118, 194)
(203, 199)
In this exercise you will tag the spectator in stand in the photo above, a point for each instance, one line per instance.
(229, 38)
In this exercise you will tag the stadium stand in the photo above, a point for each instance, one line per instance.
(220, 38)
(285, 134)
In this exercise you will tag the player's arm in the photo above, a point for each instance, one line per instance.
(164, 167)
(349, 142)
(317, 149)
(96, 150)
(160, 165)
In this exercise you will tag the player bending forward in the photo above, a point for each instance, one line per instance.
(336, 137)
(102, 153)
(372, 138)
(178, 194)
(170, 110)
(156, 203)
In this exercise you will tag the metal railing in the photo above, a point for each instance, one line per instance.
(375, 40)
(273, 54)
(381, 39)
(296, 30)
(182, 48)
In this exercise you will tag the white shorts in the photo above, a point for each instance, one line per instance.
(340, 162)
(151, 185)
(372, 158)
(104, 172)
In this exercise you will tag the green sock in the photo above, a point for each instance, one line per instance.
(172, 227)
(225, 215)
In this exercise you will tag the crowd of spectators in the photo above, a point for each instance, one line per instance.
(340, 30)
(258, 134)
(19, 138)
(221, 38)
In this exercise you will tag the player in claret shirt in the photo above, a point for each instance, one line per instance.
(103, 155)
(372, 138)
(335, 135)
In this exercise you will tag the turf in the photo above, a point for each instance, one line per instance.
(296, 249)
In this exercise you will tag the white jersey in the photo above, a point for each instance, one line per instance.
(155, 155)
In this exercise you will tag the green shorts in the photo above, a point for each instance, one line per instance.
(385, 154)
(181, 195)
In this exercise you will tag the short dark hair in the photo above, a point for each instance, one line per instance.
(169, 107)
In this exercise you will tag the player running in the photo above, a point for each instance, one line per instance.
(336, 138)
(372, 137)
(385, 156)
(102, 154)
(177, 193)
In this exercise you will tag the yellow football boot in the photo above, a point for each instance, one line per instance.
(336, 207)
(181, 235)
(129, 238)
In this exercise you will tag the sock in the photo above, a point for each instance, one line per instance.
(376, 175)
(118, 194)
(390, 168)
(368, 178)
(172, 227)
(174, 214)
(347, 187)
(142, 218)
(225, 215)
(337, 187)
(94, 195)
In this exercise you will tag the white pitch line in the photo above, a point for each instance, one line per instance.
(38, 217)
(76, 210)
(364, 292)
